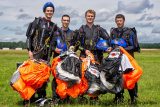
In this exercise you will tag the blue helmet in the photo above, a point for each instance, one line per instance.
(120, 42)
(61, 46)
(102, 44)
(48, 4)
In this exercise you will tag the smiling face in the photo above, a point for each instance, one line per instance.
(65, 21)
(90, 18)
(120, 22)
(48, 13)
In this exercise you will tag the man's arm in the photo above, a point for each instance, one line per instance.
(30, 34)
(130, 46)
(105, 35)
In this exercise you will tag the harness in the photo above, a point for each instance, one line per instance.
(125, 34)
(41, 36)
(89, 43)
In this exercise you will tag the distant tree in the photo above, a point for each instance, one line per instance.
(150, 45)
(13, 45)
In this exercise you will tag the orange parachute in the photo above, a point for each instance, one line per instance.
(29, 77)
(132, 77)
(63, 89)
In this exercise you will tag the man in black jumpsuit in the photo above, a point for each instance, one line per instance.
(41, 42)
(129, 36)
(90, 34)
(67, 37)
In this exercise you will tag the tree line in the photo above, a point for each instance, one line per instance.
(13, 45)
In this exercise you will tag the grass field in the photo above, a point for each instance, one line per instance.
(149, 84)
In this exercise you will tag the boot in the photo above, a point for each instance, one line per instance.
(119, 98)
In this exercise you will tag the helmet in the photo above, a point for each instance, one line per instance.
(48, 4)
(61, 46)
(120, 42)
(102, 44)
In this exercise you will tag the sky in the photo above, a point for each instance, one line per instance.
(15, 15)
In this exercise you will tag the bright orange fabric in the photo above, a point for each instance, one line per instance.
(62, 88)
(132, 77)
(32, 76)
(26, 92)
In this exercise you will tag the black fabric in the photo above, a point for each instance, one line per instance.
(42, 91)
(136, 43)
(41, 36)
(91, 77)
(68, 36)
(54, 86)
(111, 68)
(90, 36)
(125, 34)
(72, 65)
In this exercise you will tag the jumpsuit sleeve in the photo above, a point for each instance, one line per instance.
(130, 46)
(105, 35)
(30, 34)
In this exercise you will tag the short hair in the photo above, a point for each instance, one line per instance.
(48, 4)
(90, 11)
(65, 15)
(120, 16)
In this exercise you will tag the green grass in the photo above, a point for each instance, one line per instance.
(149, 84)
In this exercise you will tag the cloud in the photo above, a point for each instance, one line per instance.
(61, 10)
(142, 24)
(153, 38)
(1, 13)
(148, 37)
(12, 39)
(21, 10)
(24, 16)
(17, 30)
(20, 32)
(135, 6)
(74, 22)
(156, 30)
(8, 39)
(143, 17)
(149, 18)
(26, 25)
(104, 15)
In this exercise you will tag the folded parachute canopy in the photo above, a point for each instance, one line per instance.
(64, 88)
(130, 78)
(29, 77)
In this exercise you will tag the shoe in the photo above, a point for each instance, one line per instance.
(94, 100)
(26, 103)
(45, 102)
(55, 101)
(67, 101)
(39, 100)
(118, 99)
(134, 100)
(82, 100)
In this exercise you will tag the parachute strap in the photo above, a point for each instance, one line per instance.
(47, 41)
(128, 31)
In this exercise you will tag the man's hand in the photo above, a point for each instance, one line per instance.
(30, 54)
(71, 48)
(109, 50)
